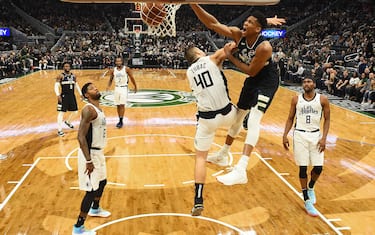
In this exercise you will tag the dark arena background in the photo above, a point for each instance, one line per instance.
(150, 160)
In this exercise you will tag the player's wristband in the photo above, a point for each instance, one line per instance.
(90, 161)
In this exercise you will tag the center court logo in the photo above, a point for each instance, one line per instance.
(150, 98)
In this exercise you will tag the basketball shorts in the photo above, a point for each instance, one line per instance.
(91, 182)
(69, 103)
(206, 128)
(257, 92)
(121, 95)
(305, 147)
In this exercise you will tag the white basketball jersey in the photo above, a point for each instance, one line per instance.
(120, 76)
(308, 113)
(97, 135)
(208, 84)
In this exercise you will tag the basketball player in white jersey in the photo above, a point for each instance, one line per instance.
(251, 54)
(92, 171)
(309, 142)
(215, 110)
(65, 85)
(121, 75)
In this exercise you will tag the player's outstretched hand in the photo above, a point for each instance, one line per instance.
(230, 48)
(275, 21)
(286, 143)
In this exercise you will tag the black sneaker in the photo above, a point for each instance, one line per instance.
(119, 125)
(197, 210)
(60, 133)
(69, 124)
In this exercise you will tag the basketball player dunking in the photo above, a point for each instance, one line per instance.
(65, 84)
(308, 142)
(121, 75)
(92, 170)
(215, 110)
(254, 59)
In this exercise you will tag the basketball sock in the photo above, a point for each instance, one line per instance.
(95, 204)
(120, 118)
(311, 183)
(244, 160)
(60, 117)
(80, 221)
(225, 148)
(198, 193)
(305, 196)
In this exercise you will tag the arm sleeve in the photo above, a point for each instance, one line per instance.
(78, 89)
(57, 88)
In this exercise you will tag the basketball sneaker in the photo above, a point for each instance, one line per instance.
(100, 212)
(310, 209)
(218, 159)
(197, 210)
(69, 124)
(82, 231)
(311, 194)
(119, 125)
(236, 176)
(60, 133)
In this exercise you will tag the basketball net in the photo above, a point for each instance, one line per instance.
(168, 26)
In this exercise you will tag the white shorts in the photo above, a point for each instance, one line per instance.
(121, 95)
(207, 127)
(306, 151)
(91, 182)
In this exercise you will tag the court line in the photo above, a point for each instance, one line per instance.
(153, 185)
(344, 228)
(217, 173)
(284, 173)
(188, 182)
(335, 220)
(169, 214)
(13, 182)
(143, 135)
(297, 193)
(2, 205)
(27, 165)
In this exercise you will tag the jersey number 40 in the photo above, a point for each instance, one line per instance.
(204, 79)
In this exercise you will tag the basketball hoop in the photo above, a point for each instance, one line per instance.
(137, 33)
(168, 26)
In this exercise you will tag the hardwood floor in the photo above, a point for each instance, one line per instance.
(151, 162)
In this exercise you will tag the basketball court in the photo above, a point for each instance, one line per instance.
(151, 162)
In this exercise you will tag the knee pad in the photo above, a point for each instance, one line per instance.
(253, 124)
(302, 172)
(235, 129)
(317, 169)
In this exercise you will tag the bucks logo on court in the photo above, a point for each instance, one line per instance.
(150, 98)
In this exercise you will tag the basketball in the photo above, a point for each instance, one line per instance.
(153, 14)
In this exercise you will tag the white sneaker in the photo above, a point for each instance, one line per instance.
(100, 212)
(236, 176)
(219, 158)
(82, 231)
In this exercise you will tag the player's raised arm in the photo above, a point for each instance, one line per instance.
(218, 57)
(212, 23)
